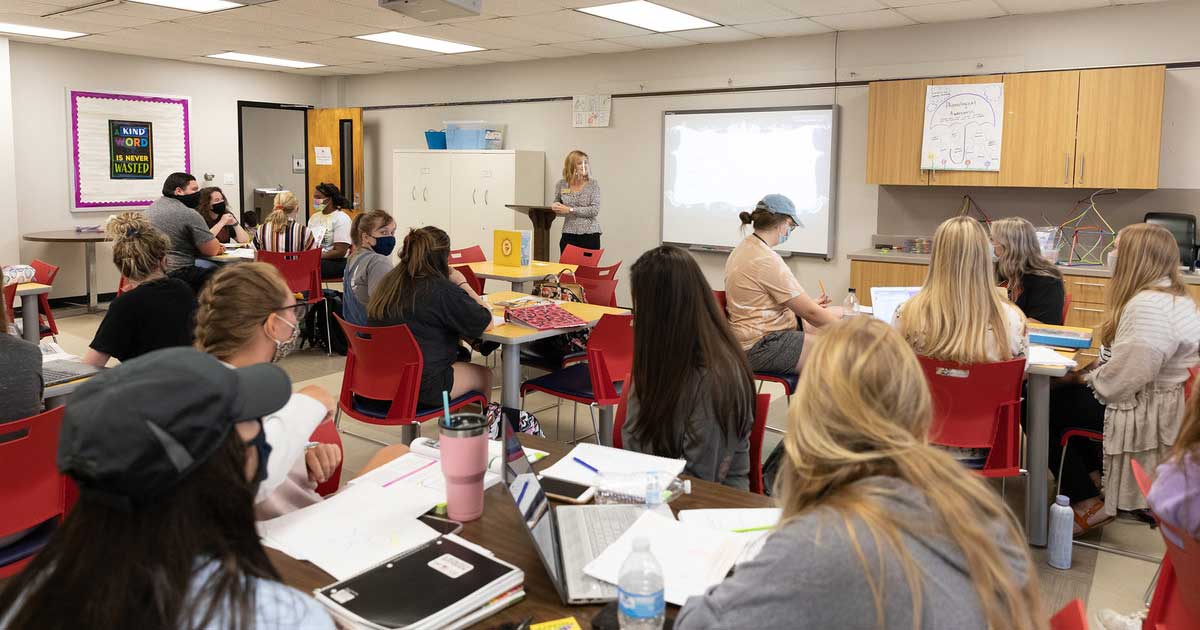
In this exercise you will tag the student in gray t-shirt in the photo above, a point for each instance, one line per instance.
(174, 214)
(20, 374)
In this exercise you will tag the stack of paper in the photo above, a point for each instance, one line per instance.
(1043, 355)
(752, 524)
(414, 470)
(51, 351)
(431, 448)
(587, 462)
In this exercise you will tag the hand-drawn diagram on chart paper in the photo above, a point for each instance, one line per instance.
(591, 110)
(963, 127)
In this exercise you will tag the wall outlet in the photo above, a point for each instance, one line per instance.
(230, 179)
(297, 164)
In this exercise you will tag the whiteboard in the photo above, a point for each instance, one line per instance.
(963, 127)
(719, 163)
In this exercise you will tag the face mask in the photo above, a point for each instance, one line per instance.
(191, 200)
(783, 239)
(219, 208)
(384, 245)
(319, 205)
(263, 448)
(583, 169)
(287, 346)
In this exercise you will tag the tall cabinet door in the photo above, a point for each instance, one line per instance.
(407, 204)
(965, 178)
(1120, 127)
(1039, 129)
(895, 120)
(480, 186)
(435, 190)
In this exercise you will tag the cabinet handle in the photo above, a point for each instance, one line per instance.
(1090, 284)
(414, 193)
(1087, 310)
(473, 196)
(425, 193)
(485, 196)
(1066, 168)
(1082, 167)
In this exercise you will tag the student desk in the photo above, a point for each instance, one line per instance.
(520, 277)
(501, 531)
(89, 240)
(31, 327)
(513, 336)
(1037, 446)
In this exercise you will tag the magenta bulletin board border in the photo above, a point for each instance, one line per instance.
(75, 96)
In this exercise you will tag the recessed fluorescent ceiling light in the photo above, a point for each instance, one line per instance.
(649, 16)
(270, 61)
(416, 41)
(199, 6)
(35, 31)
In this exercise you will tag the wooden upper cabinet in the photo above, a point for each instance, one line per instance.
(1039, 129)
(894, 123)
(965, 178)
(1119, 128)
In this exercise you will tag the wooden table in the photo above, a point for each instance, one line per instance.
(89, 240)
(521, 277)
(513, 336)
(31, 327)
(502, 532)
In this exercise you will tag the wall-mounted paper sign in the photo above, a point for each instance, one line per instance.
(324, 156)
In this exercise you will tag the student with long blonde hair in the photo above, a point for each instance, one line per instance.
(577, 200)
(1134, 393)
(959, 315)
(1035, 285)
(155, 311)
(879, 528)
(280, 231)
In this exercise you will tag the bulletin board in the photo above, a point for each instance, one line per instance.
(123, 146)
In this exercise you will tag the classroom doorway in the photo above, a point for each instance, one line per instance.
(272, 154)
(335, 152)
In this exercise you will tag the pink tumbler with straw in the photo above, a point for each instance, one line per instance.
(463, 445)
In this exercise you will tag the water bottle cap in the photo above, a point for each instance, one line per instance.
(1062, 500)
(641, 543)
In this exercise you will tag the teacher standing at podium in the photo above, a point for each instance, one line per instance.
(577, 200)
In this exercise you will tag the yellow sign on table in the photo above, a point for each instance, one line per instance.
(512, 248)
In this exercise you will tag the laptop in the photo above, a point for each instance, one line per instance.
(62, 371)
(566, 538)
(886, 300)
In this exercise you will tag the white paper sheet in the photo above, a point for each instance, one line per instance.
(751, 524)
(1044, 355)
(608, 461)
(415, 470)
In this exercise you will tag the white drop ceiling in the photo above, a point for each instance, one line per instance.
(322, 31)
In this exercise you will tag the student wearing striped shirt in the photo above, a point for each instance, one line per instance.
(282, 231)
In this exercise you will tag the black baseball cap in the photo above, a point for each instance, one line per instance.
(131, 433)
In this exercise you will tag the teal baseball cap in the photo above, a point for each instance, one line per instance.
(778, 204)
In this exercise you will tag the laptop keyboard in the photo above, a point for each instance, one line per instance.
(604, 531)
(54, 377)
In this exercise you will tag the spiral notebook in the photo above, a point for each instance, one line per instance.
(544, 317)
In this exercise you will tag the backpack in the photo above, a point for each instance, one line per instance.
(315, 325)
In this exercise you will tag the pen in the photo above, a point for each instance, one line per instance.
(586, 465)
(752, 529)
(522, 494)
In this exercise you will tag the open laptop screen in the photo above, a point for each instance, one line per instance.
(531, 502)
(886, 300)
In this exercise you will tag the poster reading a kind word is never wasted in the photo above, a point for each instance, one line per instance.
(123, 146)
(963, 127)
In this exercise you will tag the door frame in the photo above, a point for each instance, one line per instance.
(242, 105)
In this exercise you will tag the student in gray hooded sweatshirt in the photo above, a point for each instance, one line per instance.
(879, 529)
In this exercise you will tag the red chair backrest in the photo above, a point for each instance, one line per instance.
(327, 433)
(301, 270)
(1174, 604)
(467, 255)
(598, 273)
(610, 356)
(1190, 385)
(598, 292)
(1073, 616)
(573, 255)
(1141, 477)
(977, 406)
(43, 272)
(10, 296)
(619, 417)
(382, 363)
(719, 296)
(34, 490)
(471, 278)
(762, 404)
(123, 286)
(1066, 307)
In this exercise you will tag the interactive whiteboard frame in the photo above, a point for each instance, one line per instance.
(833, 177)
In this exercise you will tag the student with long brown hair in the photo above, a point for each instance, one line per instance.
(374, 236)
(958, 314)
(1134, 393)
(879, 529)
(155, 311)
(1035, 284)
(214, 208)
(692, 393)
(280, 231)
(440, 308)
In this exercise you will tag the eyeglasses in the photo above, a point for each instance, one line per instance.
(300, 309)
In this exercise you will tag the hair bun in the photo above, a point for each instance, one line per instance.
(745, 217)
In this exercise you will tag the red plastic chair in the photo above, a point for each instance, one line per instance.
(1190, 385)
(598, 292)
(573, 255)
(33, 493)
(762, 405)
(1066, 307)
(598, 273)
(784, 379)
(10, 296)
(1073, 616)
(1174, 605)
(978, 406)
(327, 433)
(44, 273)
(382, 378)
(720, 298)
(460, 258)
(123, 286)
(609, 352)
(302, 272)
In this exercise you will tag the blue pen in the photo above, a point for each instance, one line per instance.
(586, 465)
(522, 494)
(446, 405)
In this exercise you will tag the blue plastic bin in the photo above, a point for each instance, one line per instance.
(435, 139)
(468, 135)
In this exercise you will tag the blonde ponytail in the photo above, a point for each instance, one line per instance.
(286, 205)
(138, 248)
(234, 302)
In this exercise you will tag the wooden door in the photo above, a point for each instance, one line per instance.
(1039, 129)
(965, 178)
(1120, 127)
(339, 164)
(895, 119)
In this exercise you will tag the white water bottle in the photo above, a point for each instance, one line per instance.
(1062, 519)
(640, 602)
(850, 304)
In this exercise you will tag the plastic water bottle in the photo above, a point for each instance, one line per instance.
(850, 304)
(1062, 519)
(640, 603)
(653, 492)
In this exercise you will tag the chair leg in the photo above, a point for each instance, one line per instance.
(328, 332)
(1153, 583)
(595, 424)
(337, 418)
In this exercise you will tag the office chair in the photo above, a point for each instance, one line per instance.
(1183, 228)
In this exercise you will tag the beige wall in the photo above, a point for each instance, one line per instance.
(42, 75)
(270, 137)
(626, 156)
(9, 238)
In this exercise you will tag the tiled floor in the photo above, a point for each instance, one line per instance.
(1100, 578)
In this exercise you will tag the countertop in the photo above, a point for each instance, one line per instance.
(894, 256)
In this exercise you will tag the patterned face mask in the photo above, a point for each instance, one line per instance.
(287, 346)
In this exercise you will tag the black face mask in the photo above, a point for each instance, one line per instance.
(219, 208)
(191, 200)
(263, 448)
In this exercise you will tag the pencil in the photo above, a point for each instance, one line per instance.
(752, 529)
(822, 287)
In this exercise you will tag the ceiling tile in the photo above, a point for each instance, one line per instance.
(129, 39)
(72, 23)
(582, 24)
(227, 21)
(460, 60)
(911, 3)
(270, 14)
(100, 16)
(461, 35)
(516, 28)
(954, 11)
(884, 18)
(146, 11)
(31, 8)
(432, 62)
(1136, 1)
(545, 52)
(498, 56)
(173, 32)
(654, 40)
(809, 8)
(517, 7)
(326, 9)
(1042, 6)
(729, 13)
(597, 46)
(577, 4)
(785, 28)
(314, 53)
(717, 35)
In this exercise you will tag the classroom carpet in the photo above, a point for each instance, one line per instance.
(1100, 578)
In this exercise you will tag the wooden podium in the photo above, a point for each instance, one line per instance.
(542, 218)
